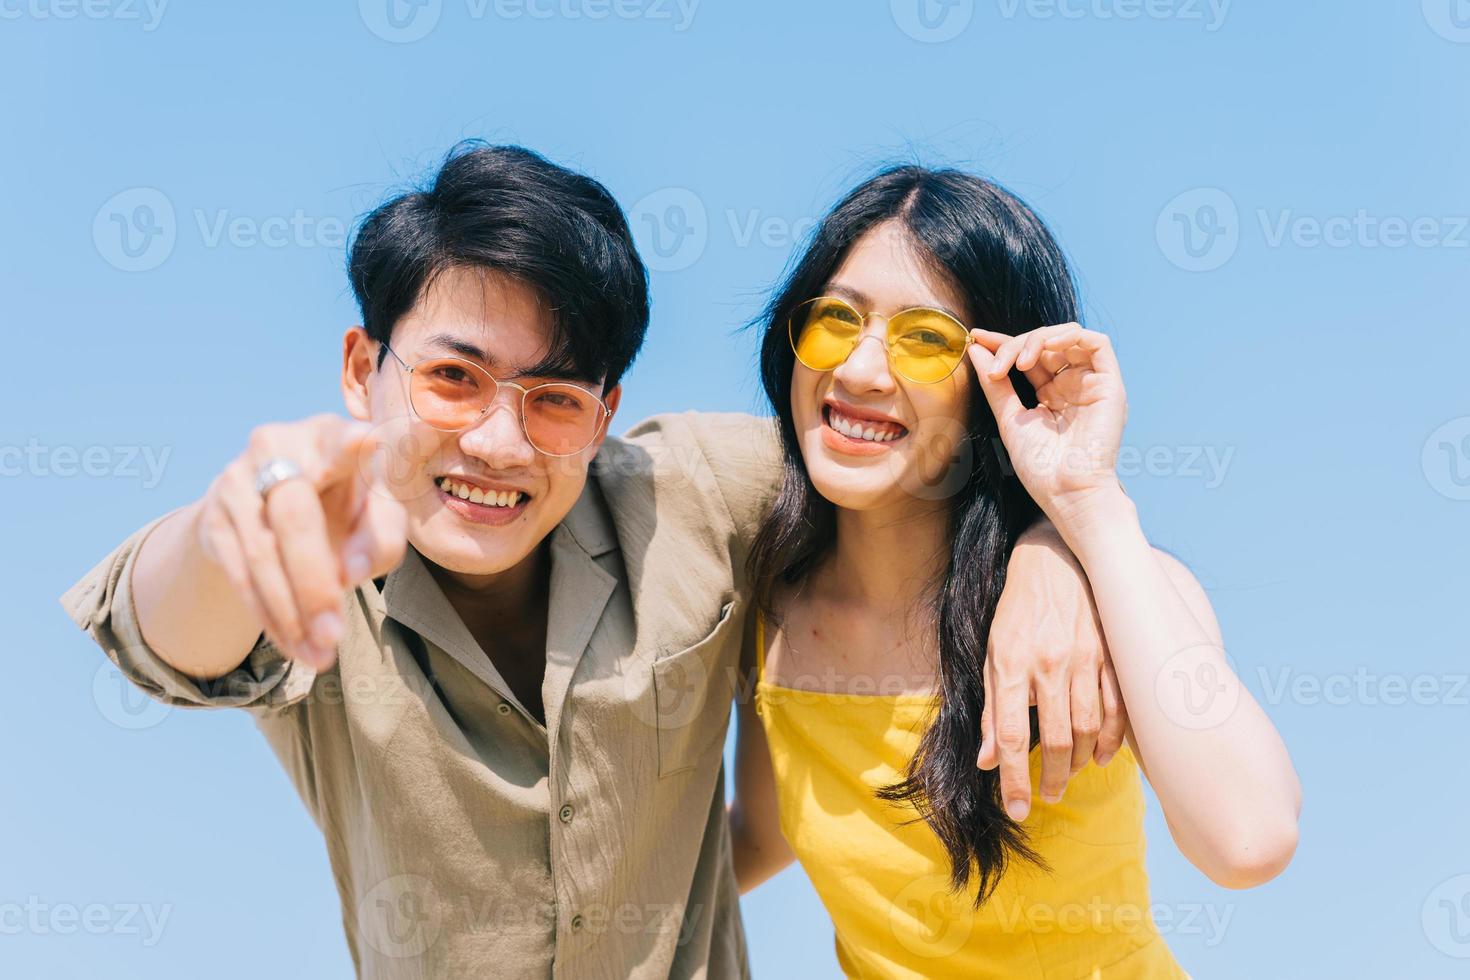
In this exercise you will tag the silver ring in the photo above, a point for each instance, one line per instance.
(273, 472)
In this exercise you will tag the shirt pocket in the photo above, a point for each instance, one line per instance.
(692, 691)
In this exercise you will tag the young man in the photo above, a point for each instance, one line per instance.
(500, 676)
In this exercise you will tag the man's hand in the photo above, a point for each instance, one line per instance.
(291, 555)
(1046, 648)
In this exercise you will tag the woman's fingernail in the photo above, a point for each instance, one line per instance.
(326, 630)
(1017, 809)
(1105, 758)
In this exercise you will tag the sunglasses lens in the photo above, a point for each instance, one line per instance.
(449, 393)
(926, 345)
(561, 419)
(824, 332)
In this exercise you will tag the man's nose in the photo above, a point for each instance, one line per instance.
(499, 438)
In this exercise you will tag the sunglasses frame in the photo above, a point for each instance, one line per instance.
(521, 414)
(887, 344)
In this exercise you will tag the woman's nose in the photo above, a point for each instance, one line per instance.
(866, 368)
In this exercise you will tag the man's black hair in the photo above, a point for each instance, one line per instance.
(507, 209)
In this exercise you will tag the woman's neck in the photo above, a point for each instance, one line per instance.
(885, 557)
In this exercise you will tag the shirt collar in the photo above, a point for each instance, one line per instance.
(579, 590)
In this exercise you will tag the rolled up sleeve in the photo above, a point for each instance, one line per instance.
(102, 605)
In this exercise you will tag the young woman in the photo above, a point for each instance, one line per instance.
(932, 321)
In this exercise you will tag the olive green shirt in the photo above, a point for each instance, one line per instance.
(466, 838)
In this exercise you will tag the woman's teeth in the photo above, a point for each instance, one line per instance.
(503, 498)
(868, 431)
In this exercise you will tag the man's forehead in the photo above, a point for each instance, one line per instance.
(491, 318)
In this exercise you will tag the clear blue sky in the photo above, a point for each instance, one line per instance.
(1267, 207)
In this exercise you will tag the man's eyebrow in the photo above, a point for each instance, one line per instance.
(553, 367)
(556, 368)
(461, 347)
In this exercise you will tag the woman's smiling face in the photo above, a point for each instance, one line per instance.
(869, 437)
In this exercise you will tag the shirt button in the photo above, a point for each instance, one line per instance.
(566, 814)
(503, 708)
(576, 923)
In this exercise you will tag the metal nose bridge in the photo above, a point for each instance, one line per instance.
(866, 336)
(520, 409)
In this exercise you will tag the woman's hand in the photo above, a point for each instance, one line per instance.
(1065, 449)
(1046, 648)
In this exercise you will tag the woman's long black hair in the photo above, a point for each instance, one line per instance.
(1014, 278)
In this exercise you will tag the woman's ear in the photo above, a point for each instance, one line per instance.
(359, 361)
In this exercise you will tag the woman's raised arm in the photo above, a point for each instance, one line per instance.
(1221, 771)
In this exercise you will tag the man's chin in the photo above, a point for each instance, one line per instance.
(476, 556)
(467, 548)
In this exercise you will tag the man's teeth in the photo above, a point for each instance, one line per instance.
(854, 429)
(491, 498)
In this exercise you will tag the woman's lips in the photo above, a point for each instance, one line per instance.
(851, 444)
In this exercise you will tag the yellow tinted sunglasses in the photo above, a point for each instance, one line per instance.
(924, 345)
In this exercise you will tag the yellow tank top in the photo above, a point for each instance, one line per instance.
(885, 880)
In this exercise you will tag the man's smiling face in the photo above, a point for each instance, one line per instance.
(516, 494)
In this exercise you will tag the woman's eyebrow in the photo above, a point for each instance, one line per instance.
(860, 299)
(855, 296)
